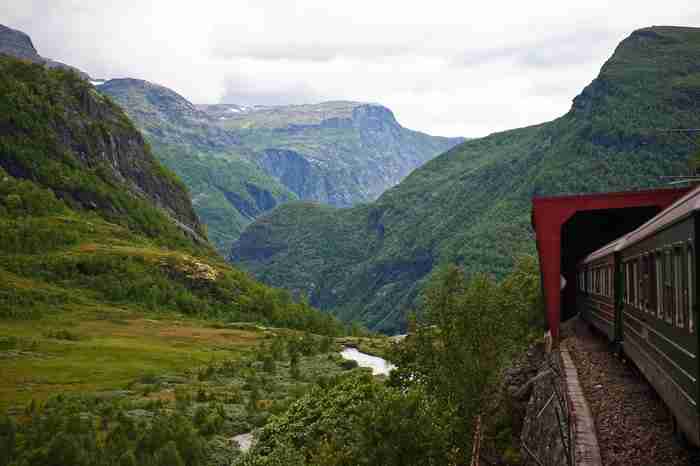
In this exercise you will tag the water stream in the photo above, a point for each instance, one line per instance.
(378, 365)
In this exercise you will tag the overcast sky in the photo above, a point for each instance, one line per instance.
(445, 67)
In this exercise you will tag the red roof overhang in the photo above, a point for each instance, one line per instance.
(548, 216)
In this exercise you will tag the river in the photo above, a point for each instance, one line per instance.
(378, 365)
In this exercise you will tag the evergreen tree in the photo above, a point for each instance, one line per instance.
(8, 435)
(168, 455)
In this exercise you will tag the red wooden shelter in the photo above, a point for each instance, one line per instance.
(567, 228)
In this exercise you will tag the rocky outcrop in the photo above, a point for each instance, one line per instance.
(536, 399)
(167, 116)
(17, 44)
(258, 200)
(81, 128)
(368, 153)
(310, 179)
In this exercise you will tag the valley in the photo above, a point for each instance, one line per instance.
(471, 205)
(240, 162)
(214, 284)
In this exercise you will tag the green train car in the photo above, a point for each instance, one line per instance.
(641, 292)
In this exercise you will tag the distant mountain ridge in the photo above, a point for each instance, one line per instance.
(228, 188)
(471, 205)
(241, 161)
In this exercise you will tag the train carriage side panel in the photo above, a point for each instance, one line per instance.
(596, 301)
(659, 324)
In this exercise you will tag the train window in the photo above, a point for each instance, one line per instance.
(651, 283)
(635, 281)
(683, 272)
(588, 280)
(595, 281)
(669, 305)
(691, 289)
(624, 283)
(659, 286)
(630, 282)
(644, 283)
(605, 280)
(678, 288)
(578, 281)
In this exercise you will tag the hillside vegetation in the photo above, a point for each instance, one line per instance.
(471, 205)
(124, 338)
(240, 162)
(80, 232)
(448, 377)
(228, 190)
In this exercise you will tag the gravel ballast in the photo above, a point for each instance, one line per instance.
(633, 425)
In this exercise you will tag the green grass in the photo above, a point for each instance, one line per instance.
(114, 347)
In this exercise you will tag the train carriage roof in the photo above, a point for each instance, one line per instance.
(676, 211)
(606, 250)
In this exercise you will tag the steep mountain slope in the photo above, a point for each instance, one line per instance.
(228, 189)
(471, 205)
(115, 312)
(338, 153)
(242, 161)
(89, 219)
(59, 132)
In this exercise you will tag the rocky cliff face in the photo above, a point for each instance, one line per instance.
(338, 153)
(228, 188)
(166, 115)
(240, 161)
(19, 45)
(80, 131)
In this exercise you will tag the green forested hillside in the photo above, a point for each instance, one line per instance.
(228, 190)
(240, 162)
(114, 306)
(471, 205)
(89, 214)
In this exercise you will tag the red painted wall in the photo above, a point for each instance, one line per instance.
(549, 215)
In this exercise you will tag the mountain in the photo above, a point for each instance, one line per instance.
(471, 205)
(17, 44)
(241, 161)
(338, 153)
(114, 309)
(228, 189)
(90, 220)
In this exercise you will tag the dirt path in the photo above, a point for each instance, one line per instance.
(632, 423)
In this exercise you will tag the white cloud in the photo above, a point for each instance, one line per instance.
(445, 67)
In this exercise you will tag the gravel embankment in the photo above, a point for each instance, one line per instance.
(632, 424)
